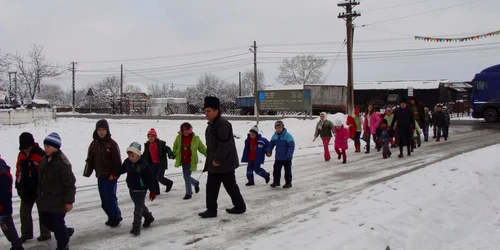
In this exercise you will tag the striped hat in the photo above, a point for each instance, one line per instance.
(53, 140)
(135, 148)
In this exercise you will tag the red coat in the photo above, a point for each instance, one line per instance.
(341, 137)
(352, 126)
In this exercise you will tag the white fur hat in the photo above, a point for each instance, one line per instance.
(338, 123)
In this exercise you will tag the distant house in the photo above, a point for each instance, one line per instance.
(136, 103)
(39, 103)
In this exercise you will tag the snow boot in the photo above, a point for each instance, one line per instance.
(344, 161)
(187, 197)
(358, 147)
(135, 231)
(45, 238)
(208, 214)
(148, 220)
(70, 230)
(115, 223)
(64, 248)
(274, 184)
(107, 222)
(25, 238)
(197, 188)
(250, 184)
(339, 157)
(268, 178)
(438, 139)
(409, 150)
(236, 210)
(169, 186)
(287, 185)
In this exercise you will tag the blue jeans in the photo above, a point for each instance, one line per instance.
(255, 167)
(10, 232)
(426, 130)
(188, 180)
(109, 202)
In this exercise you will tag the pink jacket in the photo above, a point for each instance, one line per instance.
(374, 123)
(341, 137)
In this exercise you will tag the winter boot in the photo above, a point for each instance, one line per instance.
(169, 187)
(208, 214)
(287, 185)
(135, 231)
(25, 238)
(358, 147)
(197, 188)
(71, 231)
(268, 178)
(409, 150)
(249, 184)
(344, 161)
(400, 152)
(148, 220)
(274, 184)
(115, 223)
(236, 210)
(44, 237)
(187, 197)
(339, 157)
(438, 139)
(107, 222)
(64, 248)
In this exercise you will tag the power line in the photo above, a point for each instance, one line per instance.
(165, 57)
(335, 59)
(421, 13)
(396, 6)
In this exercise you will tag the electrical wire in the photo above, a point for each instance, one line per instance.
(396, 6)
(335, 60)
(418, 14)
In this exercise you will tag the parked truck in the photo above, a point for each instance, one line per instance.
(485, 96)
(324, 98)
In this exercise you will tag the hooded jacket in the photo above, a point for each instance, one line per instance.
(103, 156)
(285, 145)
(5, 189)
(262, 144)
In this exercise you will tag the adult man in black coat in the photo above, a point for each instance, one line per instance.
(222, 160)
(404, 117)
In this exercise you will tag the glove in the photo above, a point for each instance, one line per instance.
(152, 196)
(1, 209)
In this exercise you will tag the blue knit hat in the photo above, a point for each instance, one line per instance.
(53, 140)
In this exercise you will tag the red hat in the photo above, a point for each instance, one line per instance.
(152, 132)
(356, 111)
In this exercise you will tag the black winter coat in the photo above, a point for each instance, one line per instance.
(27, 173)
(221, 147)
(140, 175)
(405, 123)
(439, 119)
(163, 151)
(5, 189)
(57, 184)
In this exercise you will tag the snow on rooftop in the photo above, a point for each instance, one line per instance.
(415, 84)
(296, 87)
(40, 102)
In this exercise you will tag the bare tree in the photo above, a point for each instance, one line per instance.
(129, 88)
(33, 71)
(157, 90)
(4, 69)
(107, 92)
(247, 82)
(52, 93)
(302, 69)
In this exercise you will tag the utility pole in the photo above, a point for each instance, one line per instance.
(10, 85)
(349, 16)
(255, 90)
(239, 93)
(74, 90)
(121, 89)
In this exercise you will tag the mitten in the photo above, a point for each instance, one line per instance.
(152, 196)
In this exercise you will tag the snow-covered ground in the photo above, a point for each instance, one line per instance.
(453, 204)
(318, 186)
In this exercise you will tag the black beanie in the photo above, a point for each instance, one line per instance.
(211, 102)
(102, 124)
(26, 140)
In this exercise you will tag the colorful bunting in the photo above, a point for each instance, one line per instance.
(462, 39)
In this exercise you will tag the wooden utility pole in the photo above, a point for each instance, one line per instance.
(121, 89)
(10, 85)
(74, 90)
(255, 90)
(349, 16)
(239, 93)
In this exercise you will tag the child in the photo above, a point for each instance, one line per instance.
(389, 116)
(156, 152)
(56, 190)
(6, 221)
(385, 134)
(324, 130)
(446, 127)
(351, 124)
(359, 121)
(285, 145)
(27, 174)
(140, 178)
(254, 153)
(186, 148)
(341, 137)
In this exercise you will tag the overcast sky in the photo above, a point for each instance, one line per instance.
(108, 30)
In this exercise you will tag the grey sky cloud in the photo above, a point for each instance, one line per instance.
(92, 30)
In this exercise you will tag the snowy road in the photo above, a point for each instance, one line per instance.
(316, 182)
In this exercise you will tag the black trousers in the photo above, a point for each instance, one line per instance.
(213, 187)
(160, 176)
(56, 223)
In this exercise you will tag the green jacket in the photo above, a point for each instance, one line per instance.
(196, 146)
